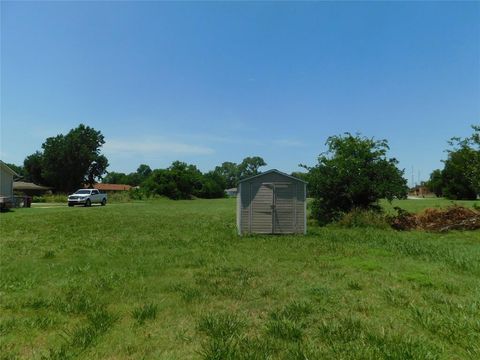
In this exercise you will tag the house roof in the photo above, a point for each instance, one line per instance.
(23, 185)
(273, 171)
(111, 187)
(7, 169)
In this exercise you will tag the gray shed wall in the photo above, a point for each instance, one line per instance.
(255, 197)
(6, 183)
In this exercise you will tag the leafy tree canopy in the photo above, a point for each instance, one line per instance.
(68, 161)
(114, 177)
(354, 173)
(33, 168)
(460, 177)
(435, 183)
(179, 181)
(232, 172)
(464, 157)
(144, 170)
(133, 179)
(20, 170)
(249, 166)
(213, 186)
(229, 172)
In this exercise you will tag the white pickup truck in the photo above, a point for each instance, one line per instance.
(87, 197)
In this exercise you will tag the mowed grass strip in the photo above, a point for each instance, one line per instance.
(172, 280)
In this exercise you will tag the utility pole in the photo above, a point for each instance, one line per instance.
(413, 179)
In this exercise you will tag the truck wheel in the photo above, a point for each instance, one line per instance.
(104, 202)
(70, 205)
(88, 203)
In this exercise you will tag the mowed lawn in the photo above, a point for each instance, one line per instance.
(172, 280)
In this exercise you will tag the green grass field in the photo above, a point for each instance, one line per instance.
(172, 280)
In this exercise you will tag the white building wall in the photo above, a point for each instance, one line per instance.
(6, 183)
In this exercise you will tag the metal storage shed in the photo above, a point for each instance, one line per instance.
(272, 203)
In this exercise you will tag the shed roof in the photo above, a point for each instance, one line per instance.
(23, 185)
(272, 171)
(7, 169)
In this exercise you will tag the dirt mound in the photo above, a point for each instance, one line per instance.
(452, 218)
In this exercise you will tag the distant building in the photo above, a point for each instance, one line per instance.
(111, 187)
(232, 192)
(420, 191)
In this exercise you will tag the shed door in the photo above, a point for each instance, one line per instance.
(284, 204)
(261, 220)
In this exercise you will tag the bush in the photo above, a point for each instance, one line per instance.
(137, 194)
(359, 218)
(354, 173)
(121, 196)
(213, 186)
(183, 181)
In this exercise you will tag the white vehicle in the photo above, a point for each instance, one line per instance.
(87, 197)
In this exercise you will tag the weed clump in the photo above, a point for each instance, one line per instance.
(361, 218)
(49, 254)
(288, 322)
(345, 330)
(285, 329)
(354, 285)
(224, 336)
(222, 326)
(145, 312)
(99, 321)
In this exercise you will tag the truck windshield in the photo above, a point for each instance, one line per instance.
(82, 192)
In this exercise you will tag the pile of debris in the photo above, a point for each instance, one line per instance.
(452, 218)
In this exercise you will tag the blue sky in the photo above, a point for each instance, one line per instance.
(213, 82)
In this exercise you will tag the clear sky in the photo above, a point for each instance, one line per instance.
(213, 82)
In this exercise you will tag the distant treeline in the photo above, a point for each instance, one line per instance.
(184, 181)
(355, 172)
(71, 161)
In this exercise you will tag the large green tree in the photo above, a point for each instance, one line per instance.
(435, 183)
(250, 166)
(462, 167)
(179, 181)
(232, 172)
(460, 177)
(229, 172)
(213, 186)
(184, 181)
(114, 177)
(134, 178)
(355, 172)
(143, 171)
(457, 184)
(33, 165)
(69, 161)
